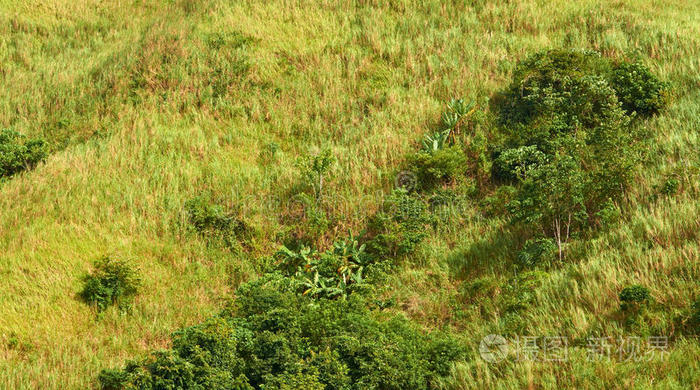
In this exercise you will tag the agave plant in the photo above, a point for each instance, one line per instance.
(456, 111)
(437, 141)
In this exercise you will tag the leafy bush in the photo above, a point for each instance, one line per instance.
(638, 89)
(457, 110)
(569, 145)
(398, 227)
(670, 186)
(212, 222)
(112, 282)
(315, 168)
(552, 196)
(536, 252)
(608, 214)
(634, 296)
(438, 166)
(18, 153)
(514, 164)
(272, 337)
(694, 319)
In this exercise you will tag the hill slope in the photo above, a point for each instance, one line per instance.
(148, 105)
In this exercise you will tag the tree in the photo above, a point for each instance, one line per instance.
(552, 196)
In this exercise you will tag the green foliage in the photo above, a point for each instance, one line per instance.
(569, 145)
(212, 222)
(113, 281)
(18, 153)
(694, 319)
(457, 110)
(670, 186)
(315, 220)
(315, 168)
(333, 274)
(536, 252)
(552, 196)
(398, 227)
(272, 337)
(438, 166)
(514, 164)
(518, 294)
(433, 143)
(634, 296)
(638, 89)
(609, 214)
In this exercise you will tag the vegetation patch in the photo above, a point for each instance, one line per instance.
(213, 223)
(17, 153)
(112, 282)
(272, 337)
(571, 143)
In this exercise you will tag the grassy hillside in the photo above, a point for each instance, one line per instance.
(148, 104)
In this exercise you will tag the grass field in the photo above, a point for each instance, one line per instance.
(146, 104)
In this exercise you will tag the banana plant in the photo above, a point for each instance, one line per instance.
(351, 250)
(291, 261)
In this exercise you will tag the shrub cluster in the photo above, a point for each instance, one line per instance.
(113, 282)
(570, 142)
(18, 153)
(274, 338)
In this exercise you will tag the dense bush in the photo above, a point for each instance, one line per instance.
(634, 296)
(437, 166)
(638, 89)
(536, 252)
(272, 337)
(333, 274)
(694, 320)
(112, 282)
(315, 169)
(18, 153)
(570, 147)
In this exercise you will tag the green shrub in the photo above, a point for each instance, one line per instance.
(457, 110)
(18, 153)
(638, 89)
(333, 274)
(112, 282)
(273, 337)
(518, 294)
(398, 227)
(609, 214)
(315, 169)
(438, 166)
(536, 252)
(670, 186)
(568, 142)
(695, 316)
(514, 164)
(634, 296)
(212, 222)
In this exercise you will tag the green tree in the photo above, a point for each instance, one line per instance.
(552, 196)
